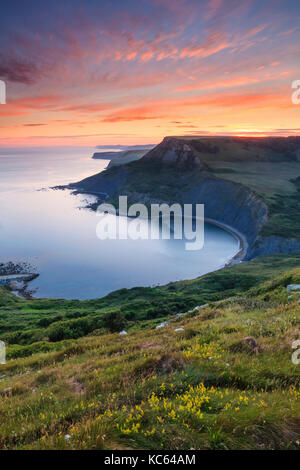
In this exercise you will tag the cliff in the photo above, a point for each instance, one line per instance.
(246, 183)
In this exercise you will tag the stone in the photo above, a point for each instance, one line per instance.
(251, 342)
(293, 288)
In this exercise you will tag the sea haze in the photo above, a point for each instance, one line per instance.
(51, 230)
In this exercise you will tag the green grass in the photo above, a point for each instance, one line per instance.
(202, 388)
(26, 322)
(264, 178)
(284, 214)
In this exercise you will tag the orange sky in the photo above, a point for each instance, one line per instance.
(133, 72)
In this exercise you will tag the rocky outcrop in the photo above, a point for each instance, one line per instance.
(177, 153)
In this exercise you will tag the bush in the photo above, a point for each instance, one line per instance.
(114, 321)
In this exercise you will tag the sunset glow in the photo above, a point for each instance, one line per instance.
(98, 73)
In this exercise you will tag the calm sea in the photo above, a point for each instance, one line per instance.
(55, 233)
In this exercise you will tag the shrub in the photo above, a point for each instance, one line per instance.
(114, 321)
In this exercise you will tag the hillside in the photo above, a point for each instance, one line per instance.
(223, 380)
(256, 180)
(127, 156)
(121, 157)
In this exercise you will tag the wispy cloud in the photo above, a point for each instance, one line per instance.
(102, 67)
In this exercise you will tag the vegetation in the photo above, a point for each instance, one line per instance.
(284, 214)
(25, 322)
(114, 321)
(127, 156)
(224, 380)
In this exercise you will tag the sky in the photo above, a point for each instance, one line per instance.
(99, 72)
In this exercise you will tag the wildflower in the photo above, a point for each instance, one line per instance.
(172, 414)
(154, 401)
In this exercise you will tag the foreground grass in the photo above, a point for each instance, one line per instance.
(204, 387)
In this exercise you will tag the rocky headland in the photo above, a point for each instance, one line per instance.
(237, 179)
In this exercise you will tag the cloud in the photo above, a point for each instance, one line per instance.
(224, 83)
(16, 70)
(133, 114)
(46, 101)
(168, 108)
(34, 125)
(94, 66)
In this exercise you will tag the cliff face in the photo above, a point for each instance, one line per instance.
(174, 172)
(230, 203)
(177, 153)
(272, 245)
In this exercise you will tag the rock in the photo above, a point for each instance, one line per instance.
(251, 342)
(162, 325)
(295, 288)
(123, 333)
(200, 306)
(168, 363)
(179, 329)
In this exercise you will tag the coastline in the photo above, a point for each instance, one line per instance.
(16, 278)
(25, 292)
(243, 243)
(242, 240)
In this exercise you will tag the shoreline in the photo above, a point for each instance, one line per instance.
(241, 238)
(235, 259)
(243, 243)
(16, 277)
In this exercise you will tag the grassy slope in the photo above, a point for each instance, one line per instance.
(160, 389)
(28, 325)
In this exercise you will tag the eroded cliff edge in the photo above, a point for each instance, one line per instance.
(210, 171)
